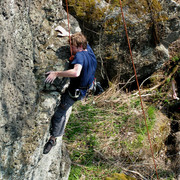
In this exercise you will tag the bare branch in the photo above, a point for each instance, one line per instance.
(128, 82)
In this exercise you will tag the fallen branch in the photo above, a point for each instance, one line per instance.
(115, 164)
(134, 172)
(149, 78)
(113, 88)
(127, 83)
(161, 83)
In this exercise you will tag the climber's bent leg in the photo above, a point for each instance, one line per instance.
(58, 121)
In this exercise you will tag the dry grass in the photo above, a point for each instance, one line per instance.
(116, 136)
(174, 48)
(106, 133)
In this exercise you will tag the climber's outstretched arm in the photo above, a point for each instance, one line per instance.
(75, 72)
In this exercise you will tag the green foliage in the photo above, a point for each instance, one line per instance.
(168, 175)
(168, 80)
(135, 103)
(140, 126)
(92, 172)
(176, 58)
(137, 143)
(87, 10)
(82, 122)
(122, 176)
(75, 173)
(151, 113)
(94, 135)
(151, 117)
(91, 142)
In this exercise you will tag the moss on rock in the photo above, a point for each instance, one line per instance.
(121, 176)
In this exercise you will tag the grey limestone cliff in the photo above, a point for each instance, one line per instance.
(29, 47)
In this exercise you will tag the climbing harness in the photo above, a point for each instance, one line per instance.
(138, 89)
(75, 95)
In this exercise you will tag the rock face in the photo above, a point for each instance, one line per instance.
(29, 47)
(152, 26)
(173, 140)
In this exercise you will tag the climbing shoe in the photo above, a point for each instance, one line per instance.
(48, 146)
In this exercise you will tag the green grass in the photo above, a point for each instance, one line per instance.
(76, 173)
(93, 172)
(176, 58)
(97, 135)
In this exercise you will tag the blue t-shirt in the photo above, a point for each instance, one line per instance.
(88, 61)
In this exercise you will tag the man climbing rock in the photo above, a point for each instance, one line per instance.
(81, 72)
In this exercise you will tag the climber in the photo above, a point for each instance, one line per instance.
(81, 72)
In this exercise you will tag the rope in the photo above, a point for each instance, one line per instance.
(138, 89)
(68, 26)
(134, 73)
